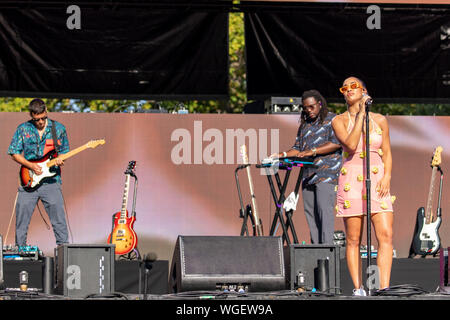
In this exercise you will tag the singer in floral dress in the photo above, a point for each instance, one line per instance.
(349, 128)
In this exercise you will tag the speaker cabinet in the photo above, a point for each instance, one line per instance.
(130, 277)
(84, 269)
(211, 263)
(313, 266)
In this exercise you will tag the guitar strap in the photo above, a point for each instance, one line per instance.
(55, 140)
(55, 144)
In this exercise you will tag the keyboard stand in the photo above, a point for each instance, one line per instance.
(287, 164)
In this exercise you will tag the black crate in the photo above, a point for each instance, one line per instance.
(302, 261)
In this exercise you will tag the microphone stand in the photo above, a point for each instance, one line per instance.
(368, 195)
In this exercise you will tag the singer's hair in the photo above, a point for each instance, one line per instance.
(37, 106)
(321, 100)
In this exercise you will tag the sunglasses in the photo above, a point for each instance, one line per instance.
(37, 120)
(353, 85)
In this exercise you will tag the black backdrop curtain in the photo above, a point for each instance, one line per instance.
(299, 48)
(125, 52)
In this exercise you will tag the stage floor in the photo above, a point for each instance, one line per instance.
(221, 296)
(412, 279)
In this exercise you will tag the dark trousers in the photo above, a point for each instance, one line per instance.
(52, 198)
(319, 201)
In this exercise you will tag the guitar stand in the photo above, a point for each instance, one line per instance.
(244, 214)
(286, 164)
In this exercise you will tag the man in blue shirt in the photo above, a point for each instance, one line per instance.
(315, 138)
(31, 141)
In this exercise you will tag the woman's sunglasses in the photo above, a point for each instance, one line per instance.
(353, 85)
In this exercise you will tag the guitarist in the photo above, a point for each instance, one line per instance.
(32, 140)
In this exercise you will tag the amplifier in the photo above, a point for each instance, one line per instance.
(84, 269)
(284, 105)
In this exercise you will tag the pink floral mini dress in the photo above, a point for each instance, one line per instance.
(351, 193)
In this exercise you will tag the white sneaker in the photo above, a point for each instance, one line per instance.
(359, 292)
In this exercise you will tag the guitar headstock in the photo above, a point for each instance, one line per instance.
(95, 143)
(131, 167)
(437, 157)
(244, 154)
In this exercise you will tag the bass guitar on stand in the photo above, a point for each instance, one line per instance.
(122, 234)
(426, 240)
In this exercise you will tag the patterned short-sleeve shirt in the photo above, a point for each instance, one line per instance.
(313, 135)
(26, 141)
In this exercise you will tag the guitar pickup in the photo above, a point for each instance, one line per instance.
(426, 246)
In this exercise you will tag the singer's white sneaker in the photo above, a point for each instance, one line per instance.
(359, 292)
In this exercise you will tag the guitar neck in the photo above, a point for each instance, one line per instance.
(252, 193)
(123, 211)
(67, 155)
(429, 210)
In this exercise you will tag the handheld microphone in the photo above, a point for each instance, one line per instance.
(368, 102)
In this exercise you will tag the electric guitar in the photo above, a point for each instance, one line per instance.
(123, 235)
(257, 229)
(30, 181)
(426, 239)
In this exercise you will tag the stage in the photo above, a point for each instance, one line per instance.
(412, 279)
(414, 285)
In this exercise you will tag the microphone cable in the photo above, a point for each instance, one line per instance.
(404, 290)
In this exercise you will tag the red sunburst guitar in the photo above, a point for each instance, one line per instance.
(123, 235)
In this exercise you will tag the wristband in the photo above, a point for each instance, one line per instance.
(284, 154)
(314, 151)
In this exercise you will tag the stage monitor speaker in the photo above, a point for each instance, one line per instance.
(252, 264)
(313, 266)
(84, 269)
